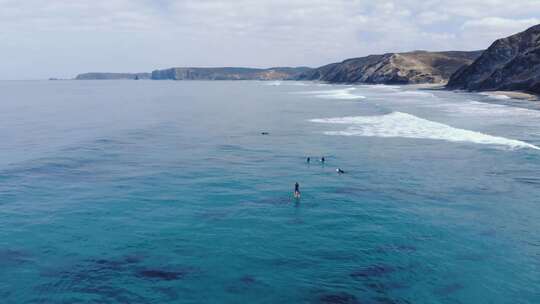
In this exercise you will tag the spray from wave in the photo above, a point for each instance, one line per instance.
(397, 124)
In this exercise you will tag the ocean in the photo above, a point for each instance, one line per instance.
(168, 192)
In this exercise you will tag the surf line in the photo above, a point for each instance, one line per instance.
(398, 124)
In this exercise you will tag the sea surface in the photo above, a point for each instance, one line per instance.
(167, 192)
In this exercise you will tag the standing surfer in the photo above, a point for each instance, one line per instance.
(296, 190)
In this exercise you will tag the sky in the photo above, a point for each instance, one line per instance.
(61, 38)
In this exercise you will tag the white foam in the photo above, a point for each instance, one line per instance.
(405, 125)
(502, 110)
(285, 82)
(496, 96)
(384, 87)
(296, 83)
(345, 93)
(484, 109)
(415, 93)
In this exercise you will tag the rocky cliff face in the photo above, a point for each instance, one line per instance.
(511, 63)
(229, 73)
(112, 76)
(394, 68)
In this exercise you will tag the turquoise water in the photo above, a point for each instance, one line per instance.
(166, 192)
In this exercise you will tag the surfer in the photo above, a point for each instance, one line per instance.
(339, 171)
(308, 159)
(323, 159)
(296, 190)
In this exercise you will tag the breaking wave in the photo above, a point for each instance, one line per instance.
(385, 87)
(397, 124)
(415, 93)
(346, 94)
(285, 82)
(496, 96)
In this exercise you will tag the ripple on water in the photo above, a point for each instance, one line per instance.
(396, 248)
(338, 298)
(160, 274)
(335, 255)
(171, 294)
(472, 257)
(13, 257)
(380, 287)
(528, 180)
(387, 300)
(214, 215)
(449, 289)
(282, 200)
(243, 284)
(98, 276)
(377, 270)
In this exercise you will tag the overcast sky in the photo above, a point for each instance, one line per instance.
(60, 38)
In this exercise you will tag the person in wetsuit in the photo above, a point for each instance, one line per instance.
(308, 159)
(296, 190)
(323, 159)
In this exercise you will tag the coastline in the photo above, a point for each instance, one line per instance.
(518, 95)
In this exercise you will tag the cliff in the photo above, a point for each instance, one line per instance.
(229, 73)
(394, 68)
(511, 64)
(111, 76)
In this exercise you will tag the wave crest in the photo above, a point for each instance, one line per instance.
(398, 124)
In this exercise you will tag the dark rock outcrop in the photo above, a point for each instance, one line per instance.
(229, 73)
(394, 68)
(112, 76)
(511, 64)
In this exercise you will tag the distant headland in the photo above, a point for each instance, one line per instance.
(509, 64)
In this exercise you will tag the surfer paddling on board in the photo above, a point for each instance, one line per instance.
(296, 190)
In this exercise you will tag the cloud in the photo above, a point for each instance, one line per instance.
(501, 25)
(431, 17)
(62, 38)
(489, 29)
